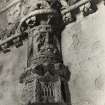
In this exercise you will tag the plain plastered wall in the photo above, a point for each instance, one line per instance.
(84, 53)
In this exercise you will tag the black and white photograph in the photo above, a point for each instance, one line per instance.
(52, 52)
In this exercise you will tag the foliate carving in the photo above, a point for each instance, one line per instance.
(89, 8)
(47, 81)
(7, 33)
(68, 18)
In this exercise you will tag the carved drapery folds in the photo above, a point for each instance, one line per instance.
(45, 76)
(44, 34)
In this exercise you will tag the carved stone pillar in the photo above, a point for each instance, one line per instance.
(45, 78)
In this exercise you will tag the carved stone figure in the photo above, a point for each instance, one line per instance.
(47, 77)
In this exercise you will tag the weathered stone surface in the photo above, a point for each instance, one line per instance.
(83, 51)
(84, 54)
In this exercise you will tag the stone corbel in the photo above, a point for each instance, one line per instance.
(68, 18)
(88, 8)
(5, 48)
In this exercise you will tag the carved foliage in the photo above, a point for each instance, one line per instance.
(43, 84)
(89, 8)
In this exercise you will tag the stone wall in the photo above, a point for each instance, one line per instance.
(84, 53)
(83, 44)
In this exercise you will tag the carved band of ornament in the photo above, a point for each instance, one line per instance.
(9, 39)
(9, 6)
(72, 7)
(38, 29)
(57, 69)
(12, 40)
